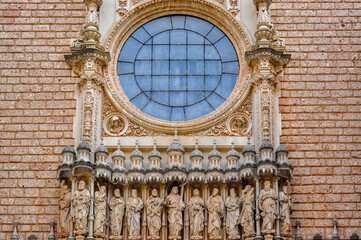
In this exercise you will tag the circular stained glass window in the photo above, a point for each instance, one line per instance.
(178, 68)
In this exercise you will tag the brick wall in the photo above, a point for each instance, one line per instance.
(321, 112)
(320, 107)
(36, 110)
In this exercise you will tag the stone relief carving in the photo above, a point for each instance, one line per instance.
(64, 209)
(122, 9)
(239, 124)
(247, 215)
(134, 211)
(267, 205)
(175, 206)
(232, 205)
(286, 206)
(234, 7)
(117, 206)
(81, 203)
(115, 124)
(100, 204)
(154, 206)
(196, 214)
(215, 208)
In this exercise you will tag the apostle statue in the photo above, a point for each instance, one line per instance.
(196, 214)
(267, 205)
(134, 211)
(286, 206)
(175, 206)
(215, 208)
(247, 215)
(100, 207)
(232, 205)
(81, 203)
(116, 205)
(154, 206)
(64, 209)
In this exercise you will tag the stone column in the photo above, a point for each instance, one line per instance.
(258, 215)
(205, 197)
(278, 219)
(91, 211)
(144, 217)
(186, 214)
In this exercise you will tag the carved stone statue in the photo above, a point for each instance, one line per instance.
(286, 206)
(267, 205)
(116, 205)
(81, 203)
(115, 124)
(175, 206)
(64, 209)
(100, 207)
(247, 216)
(134, 211)
(215, 208)
(154, 205)
(232, 220)
(196, 214)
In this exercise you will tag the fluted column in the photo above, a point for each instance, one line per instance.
(71, 221)
(91, 211)
(258, 215)
(278, 218)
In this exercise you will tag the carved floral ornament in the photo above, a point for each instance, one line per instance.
(149, 10)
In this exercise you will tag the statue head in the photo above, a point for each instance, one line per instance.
(154, 192)
(66, 188)
(81, 185)
(233, 192)
(134, 193)
(267, 185)
(196, 192)
(115, 122)
(174, 190)
(102, 189)
(285, 189)
(247, 188)
(117, 193)
(215, 191)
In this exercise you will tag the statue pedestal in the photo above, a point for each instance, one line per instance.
(196, 237)
(234, 237)
(174, 237)
(153, 237)
(116, 237)
(215, 237)
(268, 237)
(135, 237)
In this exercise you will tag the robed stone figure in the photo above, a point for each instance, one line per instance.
(196, 215)
(154, 206)
(134, 211)
(286, 206)
(232, 220)
(175, 206)
(215, 208)
(64, 209)
(267, 205)
(117, 206)
(100, 207)
(247, 213)
(81, 203)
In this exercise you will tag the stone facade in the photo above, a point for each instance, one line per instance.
(318, 101)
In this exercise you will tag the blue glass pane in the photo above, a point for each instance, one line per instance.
(196, 52)
(145, 52)
(194, 97)
(178, 82)
(196, 83)
(178, 67)
(178, 21)
(195, 67)
(158, 25)
(213, 67)
(226, 50)
(160, 83)
(178, 52)
(211, 53)
(161, 97)
(143, 67)
(157, 110)
(177, 114)
(215, 100)
(215, 35)
(195, 38)
(129, 50)
(141, 35)
(198, 110)
(129, 85)
(160, 52)
(212, 82)
(124, 67)
(178, 99)
(144, 82)
(160, 67)
(161, 38)
(178, 37)
(231, 67)
(226, 86)
(140, 100)
(197, 25)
